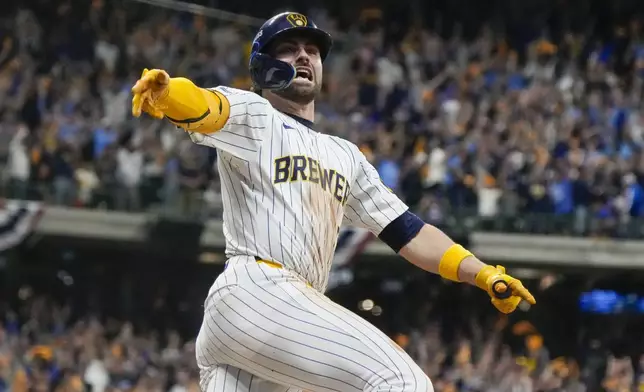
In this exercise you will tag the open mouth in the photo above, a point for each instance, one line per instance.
(303, 73)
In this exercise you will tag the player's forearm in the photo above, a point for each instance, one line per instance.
(431, 246)
(194, 108)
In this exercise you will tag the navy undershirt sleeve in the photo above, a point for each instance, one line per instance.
(401, 230)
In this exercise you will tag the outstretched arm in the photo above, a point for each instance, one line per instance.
(231, 120)
(373, 206)
(180, 101)
(432, 250)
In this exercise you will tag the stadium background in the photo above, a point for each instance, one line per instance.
(517, 127)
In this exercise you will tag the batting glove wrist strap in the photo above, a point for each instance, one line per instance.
(451, 260)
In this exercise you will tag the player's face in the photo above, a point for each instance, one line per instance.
(304, 55)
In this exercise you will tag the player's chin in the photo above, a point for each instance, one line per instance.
(302, 92)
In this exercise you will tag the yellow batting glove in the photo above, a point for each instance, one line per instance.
(147, 91)
(506, 292)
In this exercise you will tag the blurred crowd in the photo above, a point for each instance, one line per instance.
(549, 125)
(42, 348)
(482, 362)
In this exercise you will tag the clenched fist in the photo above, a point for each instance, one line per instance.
(148, 90)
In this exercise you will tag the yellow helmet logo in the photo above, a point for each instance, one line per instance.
(297, 20)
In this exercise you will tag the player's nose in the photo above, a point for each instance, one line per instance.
(302, 56)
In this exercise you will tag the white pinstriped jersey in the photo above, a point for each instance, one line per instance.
(286, 188)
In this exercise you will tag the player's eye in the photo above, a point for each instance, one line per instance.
(312, 50)
(286, 49)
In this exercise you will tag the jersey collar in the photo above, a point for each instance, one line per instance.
(303, 121)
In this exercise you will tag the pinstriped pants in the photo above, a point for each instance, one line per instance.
(265, 330)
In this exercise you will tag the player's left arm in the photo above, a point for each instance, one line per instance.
(375, 207)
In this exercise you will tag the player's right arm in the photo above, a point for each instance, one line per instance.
(225, 118)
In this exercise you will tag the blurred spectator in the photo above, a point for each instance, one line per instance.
(96, 375)
(154, 164)
(192, 179)
(63, 163)
(87, 182)
(102, 138)
(18, 163)
(106, 171)
(129, 171)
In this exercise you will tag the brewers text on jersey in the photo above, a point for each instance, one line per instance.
(293, 168)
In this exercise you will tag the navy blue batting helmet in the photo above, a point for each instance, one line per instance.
(269, 73)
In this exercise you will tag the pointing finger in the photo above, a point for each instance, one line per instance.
(528, 297)
(520, 291)
(145, 82)
(137, 101)
(140, 86)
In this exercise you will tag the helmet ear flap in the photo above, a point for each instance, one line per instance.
(269, 73)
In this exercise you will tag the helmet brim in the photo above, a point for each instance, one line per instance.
(319, 37)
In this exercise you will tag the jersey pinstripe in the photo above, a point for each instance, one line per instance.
(287, 189)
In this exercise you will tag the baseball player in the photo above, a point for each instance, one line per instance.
(286, 191)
